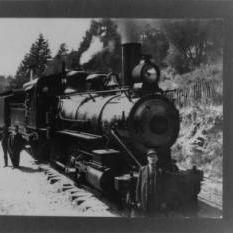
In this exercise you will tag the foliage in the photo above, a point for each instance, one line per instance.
(109, 59)
(106, 31)
(4, 83)
(155, 42)
(38, 56)
(104, 61)
(200, 139)
(63, 50)
(22, 74)
(34, 62)
(195, 42)
(74, 56)
(9, 79)
(178, 61)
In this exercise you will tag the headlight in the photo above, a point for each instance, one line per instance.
(149, 74)
(146, 72)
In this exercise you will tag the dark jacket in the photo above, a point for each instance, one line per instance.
(142, 190)
(17, 143)
(5, 135)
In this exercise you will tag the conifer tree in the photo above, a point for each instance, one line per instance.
(39, 55)
(34, 61)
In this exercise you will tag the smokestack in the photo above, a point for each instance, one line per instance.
(131, 53)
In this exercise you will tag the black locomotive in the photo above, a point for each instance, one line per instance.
(100, 128)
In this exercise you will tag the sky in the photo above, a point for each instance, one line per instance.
(17, 36)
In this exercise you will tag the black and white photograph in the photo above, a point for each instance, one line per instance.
(111, 117)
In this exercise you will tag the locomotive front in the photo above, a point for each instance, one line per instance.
(141, 116)
(132, 118)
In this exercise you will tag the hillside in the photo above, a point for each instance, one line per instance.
(198, 96)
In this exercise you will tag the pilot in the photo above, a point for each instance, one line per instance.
(148, 188)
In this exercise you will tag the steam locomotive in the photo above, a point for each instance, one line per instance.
(100, 128)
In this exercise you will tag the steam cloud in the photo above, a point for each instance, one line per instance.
(129, 29)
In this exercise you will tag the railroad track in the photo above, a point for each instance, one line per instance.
(80, 195)
(209, 196)
(211, 192)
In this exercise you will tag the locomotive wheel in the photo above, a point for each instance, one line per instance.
(63, 152)
(71, 156)
(73, 153)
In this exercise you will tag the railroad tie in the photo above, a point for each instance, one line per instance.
(76, 196)
(53, 180)
(52, 177)
(67, 187)
(81, 198)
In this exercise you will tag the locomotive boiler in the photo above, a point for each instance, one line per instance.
(99, 128)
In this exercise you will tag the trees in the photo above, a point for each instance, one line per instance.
(155, 42)
(4, 83)
(109, 59)
(38, 56)
(194, 41)
(55, 66)
(63, 50)
(22, 73)
(85, 44)
(34, 61)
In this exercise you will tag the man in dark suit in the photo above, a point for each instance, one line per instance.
(15, 145)
(148, 188)
(5, 136)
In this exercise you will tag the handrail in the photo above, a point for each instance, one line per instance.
(95, 92)
(125, 148)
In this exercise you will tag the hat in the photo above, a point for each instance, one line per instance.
(151, 152)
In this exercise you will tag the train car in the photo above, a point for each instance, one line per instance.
(100, 126)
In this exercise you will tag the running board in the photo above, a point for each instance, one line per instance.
(80, 135)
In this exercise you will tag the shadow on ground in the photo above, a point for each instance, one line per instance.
(29, 169)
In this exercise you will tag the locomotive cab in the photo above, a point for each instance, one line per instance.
(75, 81)
(15, 110)
(40, 98)
(4, 109)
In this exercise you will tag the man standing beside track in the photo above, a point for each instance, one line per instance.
(15, 145)
(5, 135)
(148, 188)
